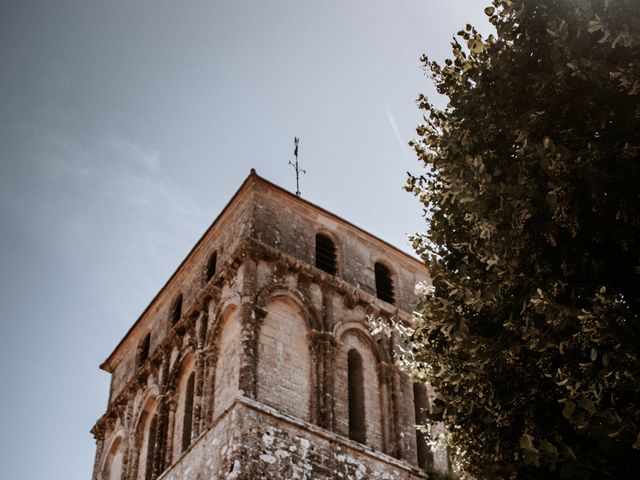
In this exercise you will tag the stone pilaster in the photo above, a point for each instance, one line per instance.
(200, 377)
(250, 319)
(323, 351)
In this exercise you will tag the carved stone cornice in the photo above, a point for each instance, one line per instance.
(354, 296)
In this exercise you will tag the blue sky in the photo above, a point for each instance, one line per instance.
(125, 127)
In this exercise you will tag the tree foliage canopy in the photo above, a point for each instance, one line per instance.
(531, 334)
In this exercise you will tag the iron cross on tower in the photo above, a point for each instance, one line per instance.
(296, 140)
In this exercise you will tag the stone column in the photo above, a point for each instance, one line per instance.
(400, 425)
(210, 356)
(387, 406)
(200, 377)
(406, 417)
(323, 350)
(160, 460)
(210, 360)
(128, 443)
(250, 320)
(135, 447)
(171, 406)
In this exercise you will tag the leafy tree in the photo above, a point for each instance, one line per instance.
(530, 334)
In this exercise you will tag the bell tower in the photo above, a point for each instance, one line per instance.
(256, 361)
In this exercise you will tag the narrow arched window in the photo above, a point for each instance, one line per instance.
(420, 404)
(326, 254)
(212, 265)
(143, 349)
(176, 309)
(384, 283)
(357, 425)
(187, 421)
(151, 449)
(112, 469)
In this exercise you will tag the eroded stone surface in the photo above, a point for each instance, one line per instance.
(266, 339)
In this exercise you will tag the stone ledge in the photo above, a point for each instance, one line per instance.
(344, 446)
(328, 435)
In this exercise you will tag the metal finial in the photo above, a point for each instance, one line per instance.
(296, 140)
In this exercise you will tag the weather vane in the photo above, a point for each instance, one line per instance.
(296, 140)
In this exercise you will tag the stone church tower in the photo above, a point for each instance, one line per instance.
(255, 360)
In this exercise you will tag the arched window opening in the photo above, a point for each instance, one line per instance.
(326, 258)
(212, 265)
(149, 474)
(420, 404)
(176, 310)
(384, 284)
(143, 349)
(113, 465)
(187, 421)
(357, 425)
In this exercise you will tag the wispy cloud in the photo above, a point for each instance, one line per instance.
(129, 151)
(114, 187)
(396, 131)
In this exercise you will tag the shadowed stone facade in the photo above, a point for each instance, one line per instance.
(252, 362)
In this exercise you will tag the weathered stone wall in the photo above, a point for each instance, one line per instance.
(266, 444)
(214, 454)
(224, 239)
(284, 365)
(272, 330)
(278, 446)
(291, 228)
(273, 220)
(340, 321)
